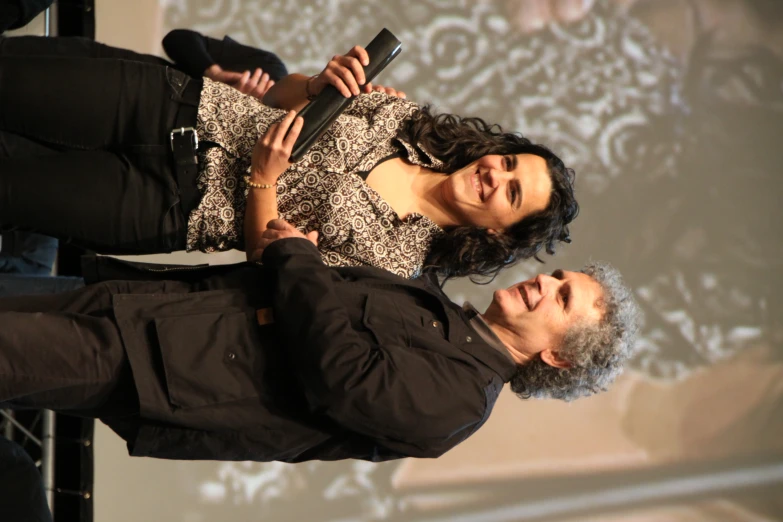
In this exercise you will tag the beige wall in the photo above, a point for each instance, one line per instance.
(134, 24)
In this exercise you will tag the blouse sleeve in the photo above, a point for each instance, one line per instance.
(367, 105)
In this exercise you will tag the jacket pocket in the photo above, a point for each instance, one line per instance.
(209, 358)
(383, 319)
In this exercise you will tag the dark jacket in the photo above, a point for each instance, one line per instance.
(193, 53)
(358, 363)
(18, 13)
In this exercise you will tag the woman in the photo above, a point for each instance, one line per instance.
(473, 199)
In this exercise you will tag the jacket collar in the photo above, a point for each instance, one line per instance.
(461, 332)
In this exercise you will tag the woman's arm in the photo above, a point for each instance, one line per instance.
(344, 72)
(290, 93)
(269, 161)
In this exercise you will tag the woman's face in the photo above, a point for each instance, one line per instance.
(497, 191)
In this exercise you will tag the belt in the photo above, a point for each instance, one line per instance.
(184, 146)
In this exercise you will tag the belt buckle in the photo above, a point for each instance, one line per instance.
(181, 131)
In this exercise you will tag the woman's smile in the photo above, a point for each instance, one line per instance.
(478, 185)
(497, 191)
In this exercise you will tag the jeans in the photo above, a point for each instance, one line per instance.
(26, 253)
(85, 153)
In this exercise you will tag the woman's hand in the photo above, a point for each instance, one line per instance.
(344, 72)
(385, 90)
(254, 84)
(273, 150)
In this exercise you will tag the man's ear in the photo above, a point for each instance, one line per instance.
(552, 358)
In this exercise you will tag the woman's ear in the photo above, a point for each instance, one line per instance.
(492, 231)
(553, 358)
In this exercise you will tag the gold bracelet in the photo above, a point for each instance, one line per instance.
(253, 184)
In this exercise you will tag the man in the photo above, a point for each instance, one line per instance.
(250, 70)
(293, 361)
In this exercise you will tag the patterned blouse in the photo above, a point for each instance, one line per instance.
(324, 191)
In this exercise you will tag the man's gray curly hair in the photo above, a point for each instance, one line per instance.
(596, 352)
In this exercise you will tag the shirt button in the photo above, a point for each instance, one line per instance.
(468, 339)
(231, 356)
(434, 324)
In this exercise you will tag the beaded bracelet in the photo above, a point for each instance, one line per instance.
(310, 97)
(253, 184)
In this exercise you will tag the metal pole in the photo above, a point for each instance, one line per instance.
(8, 431)
(9, 417)
(47, 456)
(48, 419)
(47, 21)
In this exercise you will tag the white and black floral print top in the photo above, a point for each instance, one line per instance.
(324, 191)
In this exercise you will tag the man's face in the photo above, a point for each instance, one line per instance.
(540, 311)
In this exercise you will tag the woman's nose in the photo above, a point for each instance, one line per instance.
(496, 177)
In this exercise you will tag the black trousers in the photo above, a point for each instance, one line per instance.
(64, 352)
(71, 47)
(84, 149)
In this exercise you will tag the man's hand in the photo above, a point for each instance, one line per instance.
(280, 229)
(253, 84)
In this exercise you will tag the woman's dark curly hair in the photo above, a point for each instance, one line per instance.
(472, 251)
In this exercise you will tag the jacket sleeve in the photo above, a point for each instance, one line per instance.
(409, 400)
(188, 49)
(169, 442)
(194, 53)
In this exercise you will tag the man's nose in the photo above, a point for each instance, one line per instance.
(547, 284)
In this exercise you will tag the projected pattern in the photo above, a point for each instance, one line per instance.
(608, 98)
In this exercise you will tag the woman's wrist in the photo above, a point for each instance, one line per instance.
(309, 89)
(260, 177)
(255, 185)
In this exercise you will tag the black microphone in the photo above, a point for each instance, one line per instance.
(329, 104)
